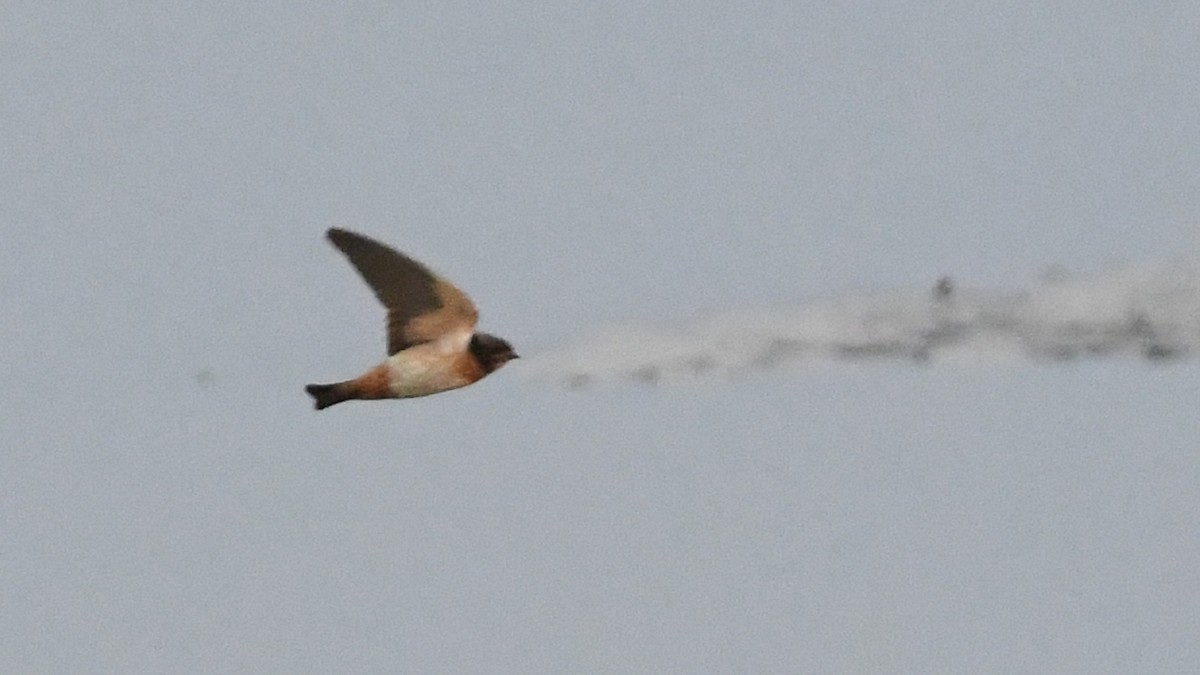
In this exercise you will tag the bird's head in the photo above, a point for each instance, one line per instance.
(491, 351)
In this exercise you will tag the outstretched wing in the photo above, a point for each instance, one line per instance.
(422, 306)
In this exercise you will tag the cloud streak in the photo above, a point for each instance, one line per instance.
(1148, 311)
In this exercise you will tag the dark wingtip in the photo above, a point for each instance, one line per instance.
(346, 240)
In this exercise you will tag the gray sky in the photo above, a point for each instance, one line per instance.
(171, 503)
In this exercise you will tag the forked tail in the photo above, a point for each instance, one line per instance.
(326, 395)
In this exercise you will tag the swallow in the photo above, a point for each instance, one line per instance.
(432, 345)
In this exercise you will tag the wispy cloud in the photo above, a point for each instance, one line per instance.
(1149, 311)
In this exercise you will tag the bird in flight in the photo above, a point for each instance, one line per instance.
(432, 344)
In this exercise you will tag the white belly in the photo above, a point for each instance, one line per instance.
(422, 370)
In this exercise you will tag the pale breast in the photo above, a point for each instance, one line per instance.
(428, 369)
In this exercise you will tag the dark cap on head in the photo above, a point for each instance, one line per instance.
(491, 351)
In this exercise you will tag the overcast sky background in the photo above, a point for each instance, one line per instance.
(171, 503)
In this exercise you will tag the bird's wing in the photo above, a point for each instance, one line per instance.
(422, 306)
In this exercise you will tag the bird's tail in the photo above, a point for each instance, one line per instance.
(326, 395)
